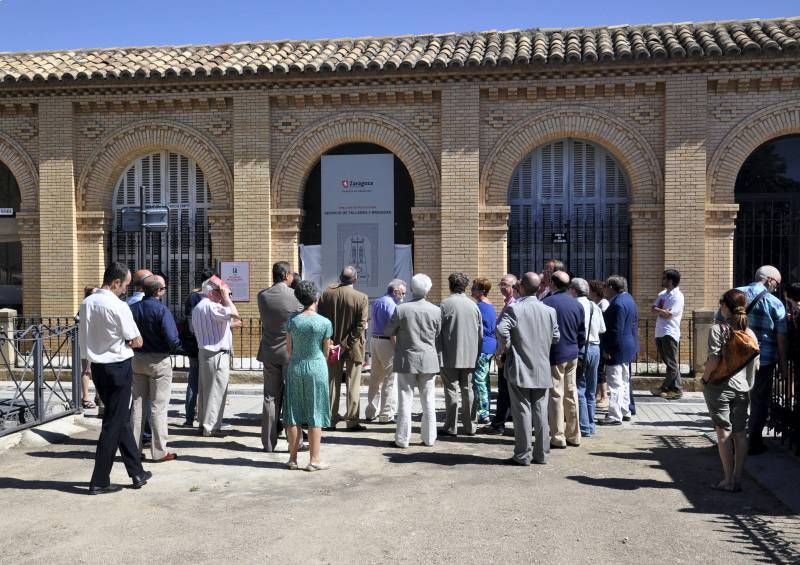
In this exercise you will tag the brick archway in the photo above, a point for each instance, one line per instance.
(114, 154)
(745, 137)
(628, 146)
(24, 170)
(288, 182)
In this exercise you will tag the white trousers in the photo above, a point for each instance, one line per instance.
(618, 378)
(213, 389)
(382, 394)
(426, 384)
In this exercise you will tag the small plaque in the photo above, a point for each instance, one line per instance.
(559, 238)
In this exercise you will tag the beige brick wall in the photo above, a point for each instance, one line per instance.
(679, 136)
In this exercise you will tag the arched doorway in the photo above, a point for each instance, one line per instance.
(311, 228)
(177, 182)
(569, 200)
(10, 248)
(768, 222)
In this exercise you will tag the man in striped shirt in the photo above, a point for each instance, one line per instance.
(212, 320)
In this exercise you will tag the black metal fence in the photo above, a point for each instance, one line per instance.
(648, 361)
(784, 416)
(41, 382)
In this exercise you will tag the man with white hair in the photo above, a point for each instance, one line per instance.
(767, 318)
(382, 396)
(212, 320)
(415, 326)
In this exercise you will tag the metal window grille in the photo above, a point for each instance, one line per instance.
(177, 182)
(577, 189)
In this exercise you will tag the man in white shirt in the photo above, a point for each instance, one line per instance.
(107, 336)
(668, 308)
(212, 320)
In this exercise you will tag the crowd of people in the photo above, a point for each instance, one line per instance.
(563, 348)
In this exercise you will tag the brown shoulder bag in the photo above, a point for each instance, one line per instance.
(738, 350)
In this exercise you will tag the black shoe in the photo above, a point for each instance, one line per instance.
(140, 480)
(491, 431)
(608, 422)
(356, 428)
(444, 433)
(104, 490)
(627, 418)
(514, 462)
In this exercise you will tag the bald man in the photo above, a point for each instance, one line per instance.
(138, 280)
(348, 310)
(152, 367)
(563, 404)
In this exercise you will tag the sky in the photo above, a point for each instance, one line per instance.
(34, 25)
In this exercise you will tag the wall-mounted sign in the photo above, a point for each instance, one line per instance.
(155, 219)
(237, 275)
(559, 238)
(7, 213)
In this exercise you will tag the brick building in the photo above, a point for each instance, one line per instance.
(616, 148)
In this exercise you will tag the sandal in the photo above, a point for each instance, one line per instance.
(88, 405)
(317, 467)
(723, 487)
(291, 465)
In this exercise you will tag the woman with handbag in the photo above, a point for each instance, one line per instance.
(728, 377)
(306, 400)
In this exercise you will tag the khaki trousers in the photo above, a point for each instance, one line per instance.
(353, 376)
(563, 405)
(213, 389)
(152, 380)
(382, 394)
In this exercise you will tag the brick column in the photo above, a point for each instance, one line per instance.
(57, 237)
(720, 227)
(460, 187)
(685, 183)
(251, 191)
(493, 254)
(427, 247)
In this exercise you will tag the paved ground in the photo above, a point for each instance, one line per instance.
(631, 495)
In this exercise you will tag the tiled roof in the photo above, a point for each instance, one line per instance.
(488, 49)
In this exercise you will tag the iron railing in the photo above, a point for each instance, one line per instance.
(38, 363)
(648, 361)
(784, 414)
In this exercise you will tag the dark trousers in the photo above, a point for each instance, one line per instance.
(760, 398)
(191, 390)
(667, 348)
(503, 401)
(113, 384)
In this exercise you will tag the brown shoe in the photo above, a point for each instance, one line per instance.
(167, 457)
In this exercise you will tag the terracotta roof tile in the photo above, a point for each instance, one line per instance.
(491, 48)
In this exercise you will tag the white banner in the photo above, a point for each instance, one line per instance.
(358, 219)
(311, 264)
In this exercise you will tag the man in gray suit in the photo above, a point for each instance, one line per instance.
(276, 305)
(461, 336)
(526, 331)
(415, 325)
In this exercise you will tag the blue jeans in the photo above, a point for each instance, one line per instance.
(587, 391)
(191, 390)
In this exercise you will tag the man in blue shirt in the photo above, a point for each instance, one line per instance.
(152, 366)
(139, 278)
(563, 404)
(767, 319)
(382, 395)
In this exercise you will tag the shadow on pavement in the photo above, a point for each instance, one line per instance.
(762, 528)
(61, 486)
(235, 462)
(439, 458)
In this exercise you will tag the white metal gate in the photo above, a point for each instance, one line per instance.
(177, 182)
(569, 201)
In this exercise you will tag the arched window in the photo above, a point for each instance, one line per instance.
(176, 182)
(768, 222)
(569, 201)
(10, 248)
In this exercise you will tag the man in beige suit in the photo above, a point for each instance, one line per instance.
(348, 310)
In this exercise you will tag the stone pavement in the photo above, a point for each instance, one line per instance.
(629, 495)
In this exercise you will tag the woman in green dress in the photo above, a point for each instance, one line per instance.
(306, 397)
